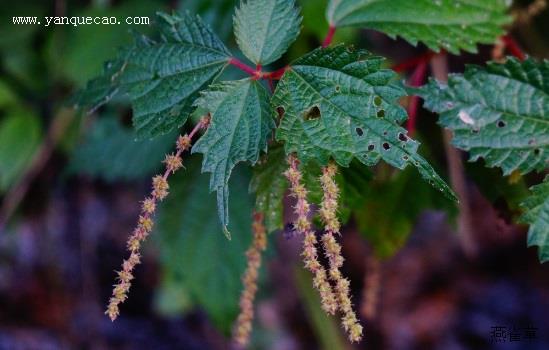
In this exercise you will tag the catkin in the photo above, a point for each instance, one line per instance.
(303, 226)
(243, 326)
(332, 249)
(145, 223)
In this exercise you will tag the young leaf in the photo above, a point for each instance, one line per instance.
(340, 103)
(162, 78)
(241, 123)
(537, 215)
(269, 186)
(450, 25)
(499, 113)
(208, 266)
(264, 29)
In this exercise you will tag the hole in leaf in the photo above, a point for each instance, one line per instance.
(338, 88)
(386, 146)
(359, 132)
(371, 147)
(311, 114)
(280, 111)
(501, 124)
(377, 101)
(405, 158)
(381, 113)
(385, 133)
(402, 137)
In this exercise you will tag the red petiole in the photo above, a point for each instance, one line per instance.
(258, 73)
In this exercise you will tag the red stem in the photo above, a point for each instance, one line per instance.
(415, 80)
(258, 73)
(276, 75)
(404, 66)
(329, 36)
(513, 47)
(244, 67)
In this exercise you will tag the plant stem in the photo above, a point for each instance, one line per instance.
(439, 67)
(40, 158)
(243, 67)
(408, 64)
(329, 36)
(513, 47)
(258, 73)
(415, 80)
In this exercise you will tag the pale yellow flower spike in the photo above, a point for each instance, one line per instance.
(332, 249)
(145, 224)
(303, 226)
(243, 326)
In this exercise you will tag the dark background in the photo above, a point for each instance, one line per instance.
(70, 186)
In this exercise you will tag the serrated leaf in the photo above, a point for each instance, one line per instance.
(110, 152)
(240, 124)
(450, 25)
(340, 103)
(537, 216)
(499, 113)
(264, 29)
(162, 77)
(194, 253)
(269, 186)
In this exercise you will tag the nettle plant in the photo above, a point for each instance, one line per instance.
(335, 105)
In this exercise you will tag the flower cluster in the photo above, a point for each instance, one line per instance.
(332, 249)
(303, 226)
(244, 322)
(144, 227)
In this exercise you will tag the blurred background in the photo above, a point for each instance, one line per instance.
(70, 186)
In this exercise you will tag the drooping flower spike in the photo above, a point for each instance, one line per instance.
(332, 249)
(303, 226)
(145, 224)
(243, 327)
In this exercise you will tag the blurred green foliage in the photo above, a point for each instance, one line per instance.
(194, 253)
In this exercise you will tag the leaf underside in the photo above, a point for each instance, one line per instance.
(499, 113)
(537, 216)
(265, 29)
(339, 103)
(162, 77)
(450, 25)
(240, 125)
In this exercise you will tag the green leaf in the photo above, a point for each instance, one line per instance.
(499, 113)
(340, 103)
(20, 132)
(537, 215)
(162, 78)
(269, 186)
(450, 25)
(111, 152)
(386, 211)
(193, 252)
(264, 29)
(240, 125)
